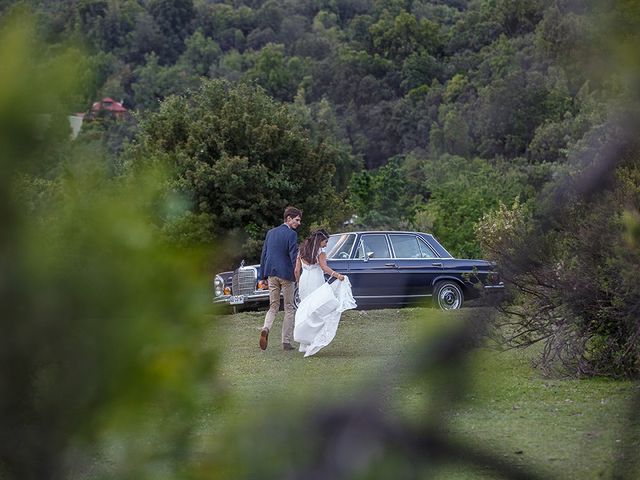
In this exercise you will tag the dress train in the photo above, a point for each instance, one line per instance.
(319, 312)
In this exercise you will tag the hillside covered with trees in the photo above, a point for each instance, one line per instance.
(427, 102)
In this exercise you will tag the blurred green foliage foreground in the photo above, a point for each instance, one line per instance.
(101, 324)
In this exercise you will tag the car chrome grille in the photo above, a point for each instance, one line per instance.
(244, 281)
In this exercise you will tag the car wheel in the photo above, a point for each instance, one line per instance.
(296, 298)
(447, 295)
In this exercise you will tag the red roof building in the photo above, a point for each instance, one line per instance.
(109, 105)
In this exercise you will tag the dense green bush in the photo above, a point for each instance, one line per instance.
(571, 281)
(445, 195)
(461, 191)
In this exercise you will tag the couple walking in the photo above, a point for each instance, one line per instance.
(315, 323)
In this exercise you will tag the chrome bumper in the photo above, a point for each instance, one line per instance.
(235, 300)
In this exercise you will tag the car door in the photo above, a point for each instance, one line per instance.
(417, 264)
(372, 270)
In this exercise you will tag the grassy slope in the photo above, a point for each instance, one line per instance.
(567, 426)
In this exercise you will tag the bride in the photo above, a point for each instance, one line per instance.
(321, 303)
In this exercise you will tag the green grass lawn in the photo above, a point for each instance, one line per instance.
(569, 427)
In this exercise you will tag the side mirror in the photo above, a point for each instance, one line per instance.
(363, 253)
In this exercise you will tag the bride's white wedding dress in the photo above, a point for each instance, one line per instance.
(320, 308)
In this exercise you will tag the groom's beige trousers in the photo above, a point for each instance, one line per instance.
(287, 287)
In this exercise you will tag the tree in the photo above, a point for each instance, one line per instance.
(397, 38)
(380, 197)
(415, 115)
(313, 46)
(213, 18)
(146, 38)
(270, 15)
(154, 82)
(507, 113)
(117, 25)
(322, 122)
(420, 68)
(201, 54)
(461, 191)
(240, 158)
(174, 19)
(258, 38)
(278, 75)
(515, 16)
(292, 28)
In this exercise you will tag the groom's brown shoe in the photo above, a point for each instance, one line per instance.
(264, 338)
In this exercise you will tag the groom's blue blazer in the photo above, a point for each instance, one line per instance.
(279, 253)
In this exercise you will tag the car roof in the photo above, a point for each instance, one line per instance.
(381, 231)
(443, 252)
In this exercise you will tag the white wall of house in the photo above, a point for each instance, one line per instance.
(75, 122)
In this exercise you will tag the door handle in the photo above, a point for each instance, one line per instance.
(436, 264)
(390, 265)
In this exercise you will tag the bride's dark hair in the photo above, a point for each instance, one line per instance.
(309, 248)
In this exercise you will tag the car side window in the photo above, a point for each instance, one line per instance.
(425, 250)
(406, 246)
(374, 246)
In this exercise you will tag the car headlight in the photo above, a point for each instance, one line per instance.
(218, 286)
(493, 278)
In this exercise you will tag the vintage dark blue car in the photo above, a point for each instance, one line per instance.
(386, 269)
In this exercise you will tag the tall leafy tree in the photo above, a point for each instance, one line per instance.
(174, 19)
(154, 82)
(240, 158)
(461, 191)
(201, 54)
(380, 197)
(277, 74)
(397, 38)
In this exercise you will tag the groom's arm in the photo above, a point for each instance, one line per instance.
(263, 259)
(293, 248)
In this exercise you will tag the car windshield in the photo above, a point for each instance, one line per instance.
(339, 246)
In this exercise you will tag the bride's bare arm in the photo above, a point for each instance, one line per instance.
(296, 270)
(322, 261)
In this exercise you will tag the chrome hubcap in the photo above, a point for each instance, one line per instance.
(449, 298)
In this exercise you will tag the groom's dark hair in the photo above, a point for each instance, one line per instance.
(292, 212)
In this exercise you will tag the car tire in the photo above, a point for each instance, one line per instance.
(447, 295)
(296, 298)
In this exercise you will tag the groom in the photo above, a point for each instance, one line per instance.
(277, 261)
